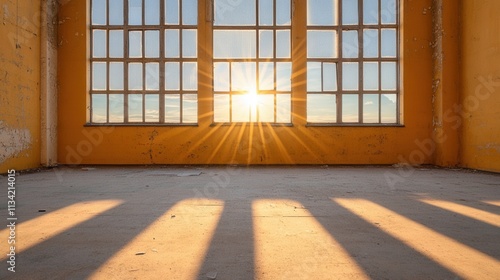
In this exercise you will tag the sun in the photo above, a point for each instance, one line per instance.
(252, 97)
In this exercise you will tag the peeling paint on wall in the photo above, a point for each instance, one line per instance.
(13, 142)
(19, 85)
(5, 14)
(490, 146)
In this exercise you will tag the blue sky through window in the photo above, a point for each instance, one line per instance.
(333, 84)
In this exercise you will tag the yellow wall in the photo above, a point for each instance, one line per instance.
(19, 85)
(450, 101)
(480, 144)
(247, 144)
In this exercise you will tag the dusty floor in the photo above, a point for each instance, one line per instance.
(254, 223)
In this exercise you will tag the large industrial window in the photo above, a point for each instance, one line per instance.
(144, 61)
(252, 61)
(352, 61)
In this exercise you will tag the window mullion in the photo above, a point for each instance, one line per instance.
(126, 62)
(360, 63)
(161, 61)
(181, 64)
(143, 61)
(398, 66)
(340, 57)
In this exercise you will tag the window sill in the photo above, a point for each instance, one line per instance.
(252, 123)
(354, 125)
(140, 124)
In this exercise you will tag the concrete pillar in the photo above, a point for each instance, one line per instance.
(48, 82)
(445, 87)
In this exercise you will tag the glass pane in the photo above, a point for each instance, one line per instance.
(152, 108)
(329, 76)
(266, 76)
(350, 46)
(135, 44)
(314, 79)
(388, 108)
(266, 44)
(370, 75)
(350, 76)
(116, 46)
(189, 43)
(189, 108)
(152, 76)
(388, 11)
(243, 76)
(283, 108)
(321, 108)
(266, 107)
(172, 11)
(116, 13)
(370, 11)
(321, 44)
(266, 12)
(116, 108)
(370, 43)
(172, 108)
(240, 108)
(152, 43)
(221, 108)
(172, 76)
(283, 44)
(283, 13)
(189, 76)
(284, 76)
(172, 43)
(116, 81)
(389, 44)
(221, 76)
(135, 107)
(231, 12)
(99, 105)
(350, 12)
(321, 12)
(135, 76)
(99, 75)
(189, 12)
(134, 12)
(370, 108)
(234, 44)
(389, 75)
(99, 12)
(350, 108)
(152, 11)
(99, 43)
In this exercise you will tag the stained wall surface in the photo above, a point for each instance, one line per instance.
(480, 110)
(19, 85)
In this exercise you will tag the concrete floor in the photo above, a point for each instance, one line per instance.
(255, 223)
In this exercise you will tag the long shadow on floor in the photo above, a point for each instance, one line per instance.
(82, 250)
(231, 253)
(379, 254)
